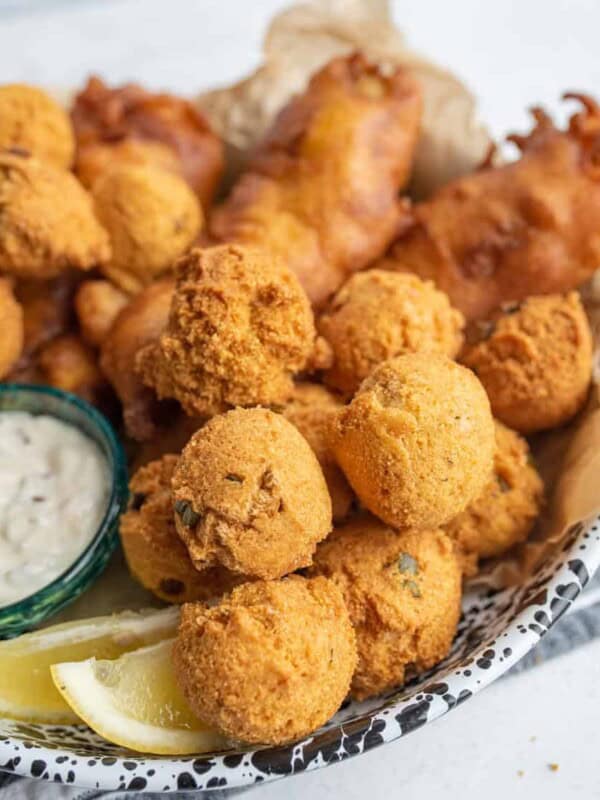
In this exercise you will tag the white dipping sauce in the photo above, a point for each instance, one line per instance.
(54, 489)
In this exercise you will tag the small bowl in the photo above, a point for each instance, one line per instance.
(30, 611)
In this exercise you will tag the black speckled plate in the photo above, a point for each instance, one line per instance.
(496, 630)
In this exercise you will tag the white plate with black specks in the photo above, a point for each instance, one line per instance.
(496, 630)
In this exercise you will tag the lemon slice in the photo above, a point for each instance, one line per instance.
(134, 701)
(26, 688)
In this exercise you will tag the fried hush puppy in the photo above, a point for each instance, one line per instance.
(96, 159)
(47, 309)
(47, 222)
(249, 494)
(312, 410)
(67, 363)
(321, 190)
(138, 324)
(504, 233)
(97, 305)
(11, 325)
(155, 554)
(505, 512)
(377, 315)
(403, 592)
(152, 217)
(239, 328)
(112, 116)
(31, 120)
(271, 662)
(417, 441)
(535, 362)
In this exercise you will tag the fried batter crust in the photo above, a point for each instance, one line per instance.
(535, 362)
(417, 441)
(504, 233)
(403, 592)
(321, 191)
(270, 663)
(155, 554)
(240, 327)
(378, 315)
(47, 222)
(249, 494)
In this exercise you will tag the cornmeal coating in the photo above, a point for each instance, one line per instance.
(47, 222)
(535, 362)
(503, 233)
(31, 120)
(403, 592)
(505, 512)
(138, 324)
(377, 315)
(152, 217)
(271, 662)
(11, 325)
(417, 441)
(95, 159)
(240, 327)
(313, 409)
(322, 190)
(249, 494)
(155, 554)
(97, 305)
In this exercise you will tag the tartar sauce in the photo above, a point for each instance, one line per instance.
(54, 487)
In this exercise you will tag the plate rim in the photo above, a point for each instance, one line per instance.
(337, 741)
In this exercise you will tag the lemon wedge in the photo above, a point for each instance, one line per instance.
(134, 701)
(27, 691)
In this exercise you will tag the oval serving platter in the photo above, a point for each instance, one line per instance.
(496, 630)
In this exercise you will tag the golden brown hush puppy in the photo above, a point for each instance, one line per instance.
(377, 315)
(97, 305)
(152, 217)
(417, 441)
(240, 327)
(249, 494)
(155, 554)
(47, 222)
(271, 662)
(31, 120)
(535, 361)
(403, 592)
(11, 326)
(504, 513)
(312, 409)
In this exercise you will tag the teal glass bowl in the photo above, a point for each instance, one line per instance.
(29, 612)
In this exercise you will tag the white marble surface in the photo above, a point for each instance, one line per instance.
(501, 742)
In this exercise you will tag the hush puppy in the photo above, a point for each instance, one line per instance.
(31, 120)
(377, 315)
(152, 217)
(535, 361)
(155, 554)
(47, 222)
(11, 325)
(271, 662)
(403, 592)
(506, 510)
(240, 328)
(97, 305)
(417, 441)
(312, 409)
(249, 494)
